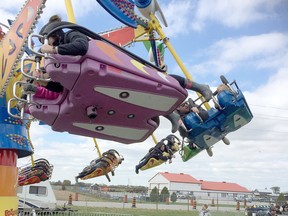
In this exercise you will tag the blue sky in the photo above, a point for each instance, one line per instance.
(246, 41)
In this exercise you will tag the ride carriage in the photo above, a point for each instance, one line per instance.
(101, 166)
(109, 93)
(232, 113)
(31, 174)
(150, 160)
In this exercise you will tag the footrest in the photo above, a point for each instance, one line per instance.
(188, 153)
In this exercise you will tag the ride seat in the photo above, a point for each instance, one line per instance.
(208, 132)
(127, 94)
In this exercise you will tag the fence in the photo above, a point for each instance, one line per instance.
(65, 213)
(185, 200)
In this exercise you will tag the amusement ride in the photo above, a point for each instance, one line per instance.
(109, 93)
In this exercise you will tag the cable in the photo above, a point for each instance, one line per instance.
(268, 107)
(265, 117)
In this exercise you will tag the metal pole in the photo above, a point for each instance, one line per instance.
(155, 25)
(217, 203)
(157, 198)
(70, 13)
(154, 138)
(97, 147)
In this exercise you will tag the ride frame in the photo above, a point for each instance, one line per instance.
(8, 158)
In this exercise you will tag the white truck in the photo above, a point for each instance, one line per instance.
(38, 195)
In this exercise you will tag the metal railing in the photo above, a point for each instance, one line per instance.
(33, 212)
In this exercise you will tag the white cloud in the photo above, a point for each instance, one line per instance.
(80, 8)
(184, 15)
(177, 15)
(9, 9)
(273, 93)
(233, 13)
(12, 5)
(260, 51)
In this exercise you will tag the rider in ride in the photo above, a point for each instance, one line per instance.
(64, 43)
(203, 89)
(183, 110)
(75, 43)
(159, 152)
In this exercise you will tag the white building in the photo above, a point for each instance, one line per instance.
(181, 183)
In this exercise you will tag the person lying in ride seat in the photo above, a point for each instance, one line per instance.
(75, 43)
(159, 152)
(64, 43)
(38, 88)
(172, 144)
(203, 89)
(183, 110)
(222, 87)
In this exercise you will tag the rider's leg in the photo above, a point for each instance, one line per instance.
(175, 119)
(140, 165)
(204, 90)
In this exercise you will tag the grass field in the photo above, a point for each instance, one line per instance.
(63, 195)
(150, 212)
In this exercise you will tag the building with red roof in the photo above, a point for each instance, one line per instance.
(186, 184)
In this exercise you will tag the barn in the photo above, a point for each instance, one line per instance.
(185, 185)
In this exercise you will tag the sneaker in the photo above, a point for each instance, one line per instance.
(209, 151)
(20, 105)
(174, 118)
(207, 93)
(30, 89)
(226, 140)
(137, 170)
(191, 145)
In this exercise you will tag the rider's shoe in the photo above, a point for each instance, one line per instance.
(137, 170)
(30, 89)
(175, 119)
(20, 105)
(209, 151)
(226, 140)
(191, 145)
(203, 89)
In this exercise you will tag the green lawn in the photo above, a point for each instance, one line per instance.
(150, 212)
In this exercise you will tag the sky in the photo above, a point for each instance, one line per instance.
(246, 41)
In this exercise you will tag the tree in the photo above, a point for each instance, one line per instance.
(82, 184)
(164, 194)
(281, 199)
(173, 197)
(66, 182)
(56, 183)
(276, 190)
(154, 195)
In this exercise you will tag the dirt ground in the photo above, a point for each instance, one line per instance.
(64, 196)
